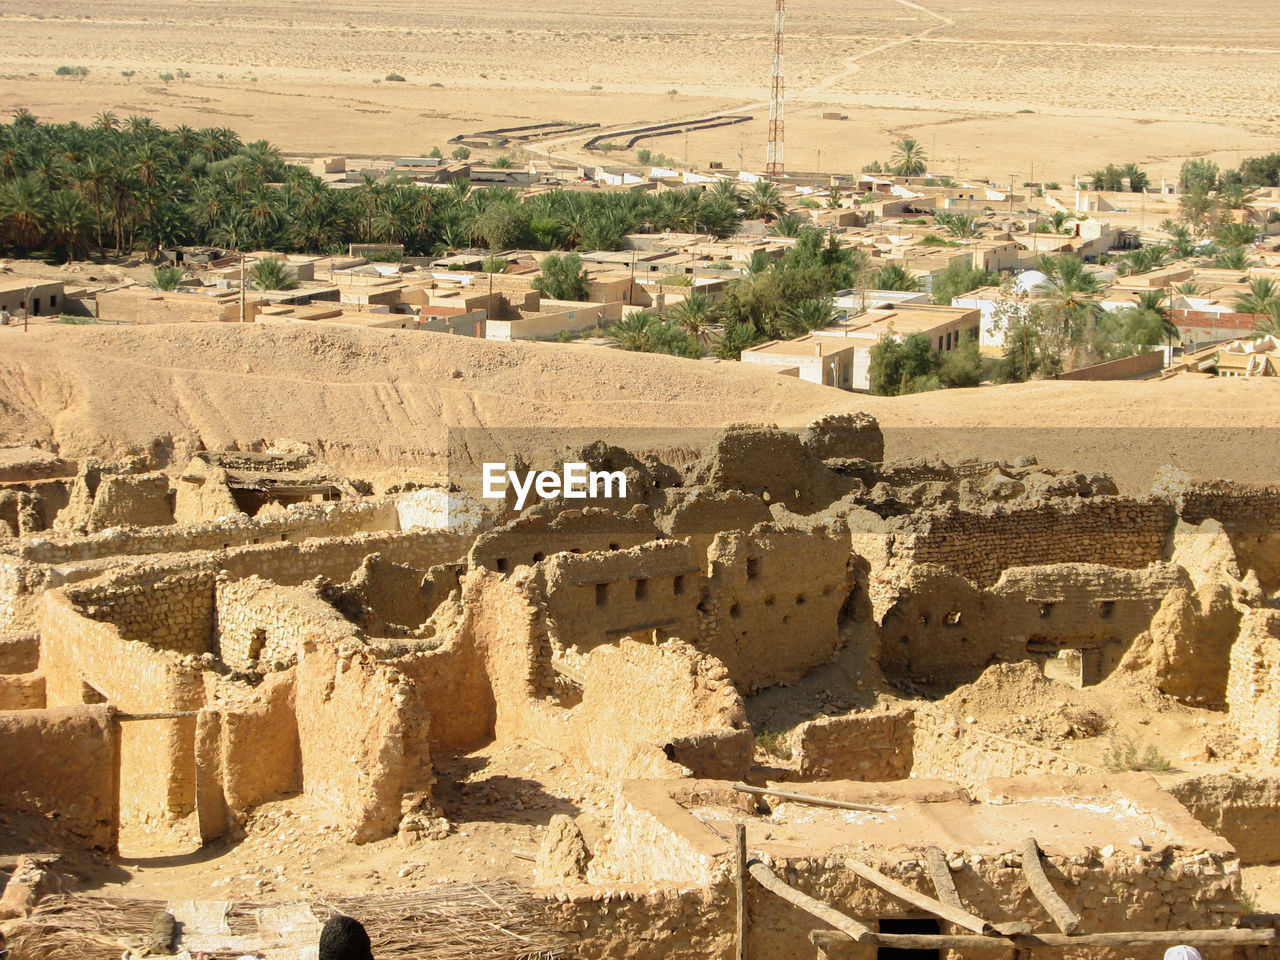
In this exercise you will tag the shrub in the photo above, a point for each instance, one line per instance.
(166, 277)
(72, 71)
(394, 78)
(461, 153)
(166, 77)
(1123, 755)
(771, 742)
(273, 274)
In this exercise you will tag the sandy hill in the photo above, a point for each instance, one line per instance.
(386, 402)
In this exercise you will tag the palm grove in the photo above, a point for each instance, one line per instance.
(126, 185)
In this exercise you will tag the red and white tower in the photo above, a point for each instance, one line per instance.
(775, 158)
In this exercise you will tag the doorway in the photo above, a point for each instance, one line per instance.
(916, 925)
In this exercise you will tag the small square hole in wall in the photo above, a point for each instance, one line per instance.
(502, 563)
(642, 589)
(602, 594)
(753, 567)
(677, 586)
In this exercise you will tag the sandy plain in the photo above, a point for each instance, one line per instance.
(990, 87)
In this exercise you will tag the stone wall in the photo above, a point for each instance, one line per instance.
(362, 737)
(864, 746)
(1115, 531)
(259, 622)
(1250, 514)
(299, 522)
(63, 763)
(173, 612)
(530, 538)
(1253, 683)
(116, 500)
(1242, 808)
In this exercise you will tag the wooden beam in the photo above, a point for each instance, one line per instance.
(847, 926)
(740, 890)
(832, 940)
(806, 798)
(165, 715)
(957, 915)
(936, 862)
(1063, 916)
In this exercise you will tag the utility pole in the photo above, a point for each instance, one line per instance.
(775, 158)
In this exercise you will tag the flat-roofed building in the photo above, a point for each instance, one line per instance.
(811, 358)
(30, 296)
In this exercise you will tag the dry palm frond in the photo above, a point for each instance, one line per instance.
(85, 928)
(492, 920)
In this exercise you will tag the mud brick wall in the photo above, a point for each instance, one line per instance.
(1114, 531)
(876, 746)
(63, 763)
(1253, 683)
(22, 691)
(1242, 808)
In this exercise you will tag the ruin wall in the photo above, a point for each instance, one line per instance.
(863, 746)
(76, 778)
(1253, 683)
(258, 621)
(1114, 531)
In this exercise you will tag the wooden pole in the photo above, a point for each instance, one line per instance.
(816, 908)
(960, 917)
(1062, 915)
(935, 862)
(740, 890)
(806, 798)
(827, 939)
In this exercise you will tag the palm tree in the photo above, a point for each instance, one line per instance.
(763, 201)
(167, 276)
(894, 276)
(1189, 288)
(1198, 207)
(1068, 287)
(1237, 235)
(273, 273)
(633, 332)
(909, 157)
(106, 120)
(22, 211)
(958, 224)
(787, 225)
(69, 221)
(1268, 325)
(811, 314)
(693, 315)
(1262, 297)
(1237, 258)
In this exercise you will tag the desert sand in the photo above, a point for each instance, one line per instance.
(990, 87)
(379, 403)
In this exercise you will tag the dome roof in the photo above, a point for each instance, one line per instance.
(1028, 280)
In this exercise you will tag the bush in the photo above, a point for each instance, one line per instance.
(166, 277)
(273, 274)
(72, 71)
(562, 278)
(771, 743)
(461, 153)
(1123, 755)
(166, 77)
(394, 78)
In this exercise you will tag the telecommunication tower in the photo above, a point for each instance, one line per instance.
(775, 158)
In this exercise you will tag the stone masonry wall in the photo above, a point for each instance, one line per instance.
(1114, 531)
(173, 612)
(866, 746)
(261, 622)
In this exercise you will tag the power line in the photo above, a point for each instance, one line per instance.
(775, 157)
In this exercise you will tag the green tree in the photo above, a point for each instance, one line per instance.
(900, 366)
(562, 278)
(960, 277)
(693, 315)
(894, 276)
(909, 157)
(763, 201)
(69, 222)
(167, 276)
(958, 224)
(1263, 296)
(272, 273)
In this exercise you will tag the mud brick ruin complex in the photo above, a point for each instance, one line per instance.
(788, 610)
